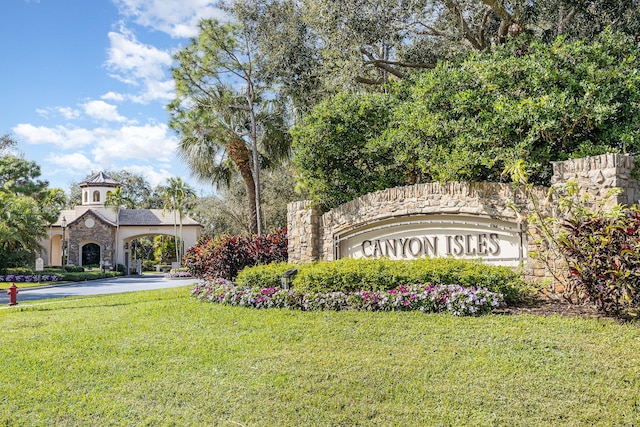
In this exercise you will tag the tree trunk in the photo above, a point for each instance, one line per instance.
(256, 162)
(239, 154)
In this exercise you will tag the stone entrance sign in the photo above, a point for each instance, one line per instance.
(465, 220)
(460, 236)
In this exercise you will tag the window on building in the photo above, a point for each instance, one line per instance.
(86, 196)
(96, 196)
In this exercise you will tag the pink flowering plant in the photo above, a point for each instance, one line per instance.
(455, 299)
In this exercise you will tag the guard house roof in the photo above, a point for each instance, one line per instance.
(136, 217)
(100, 179)
(151, 217)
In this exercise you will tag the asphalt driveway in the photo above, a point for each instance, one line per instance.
(96, 287)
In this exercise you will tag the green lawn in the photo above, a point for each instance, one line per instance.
(161, 358)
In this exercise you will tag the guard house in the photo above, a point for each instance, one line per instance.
(95, 234)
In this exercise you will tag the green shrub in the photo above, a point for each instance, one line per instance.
(353, 275)
(20, 271)
(50, 270)
(469, 273)
(87, 275)
(148, 265)
(263, 275)
(350, 275)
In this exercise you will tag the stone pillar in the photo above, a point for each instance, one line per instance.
(303, 221)
(73, 249)
(596, 176)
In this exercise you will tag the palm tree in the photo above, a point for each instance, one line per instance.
(226, 129)
(216, 141)
(117, 200)
(179, 197)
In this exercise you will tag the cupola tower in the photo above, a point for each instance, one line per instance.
(95, 189)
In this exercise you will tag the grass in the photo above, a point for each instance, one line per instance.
(161, 358)
(6, 285)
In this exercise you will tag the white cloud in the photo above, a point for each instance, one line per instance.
(44, 112)
(153, 175)
(103, 111)
(155, 91)
(178, 18)
(138, 64)
(66, 112)
(110, 146)
(66, 169)
(71, 162)
(38, 134)
(61, 136)
(133, 61)
(150, 142)
(113, 96)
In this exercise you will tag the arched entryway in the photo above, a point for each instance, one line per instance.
(91, 254)
(150, 251)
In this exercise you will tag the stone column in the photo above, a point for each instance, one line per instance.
(303, 221)
(596, 176)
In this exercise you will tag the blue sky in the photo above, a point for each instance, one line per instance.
(84, 84)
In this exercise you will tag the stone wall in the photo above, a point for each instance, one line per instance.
(484, 198)
(101, 233)
(312, 233)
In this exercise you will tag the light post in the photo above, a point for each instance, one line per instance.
(64, 242)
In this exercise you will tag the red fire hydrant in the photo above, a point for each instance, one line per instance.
(13, 294)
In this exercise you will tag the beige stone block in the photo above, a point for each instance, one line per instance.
(540, 272)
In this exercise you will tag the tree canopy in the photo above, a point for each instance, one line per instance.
(227, 211)
(334, 150)
(312, 48)
(391, 93)
(180, 198)
(27, 206)
(469, 119)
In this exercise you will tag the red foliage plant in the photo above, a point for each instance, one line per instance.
(226, 256)
(603, 258)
